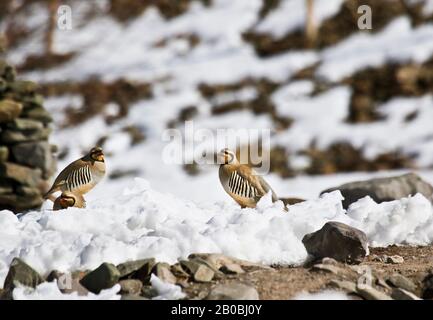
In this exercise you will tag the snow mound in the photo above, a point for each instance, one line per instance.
(143, 223)
(50, 291)
(166, 291)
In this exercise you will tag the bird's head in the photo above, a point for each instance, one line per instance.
(97, 154)
(67, 200)
(227, 156)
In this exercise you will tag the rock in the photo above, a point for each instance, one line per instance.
(427, 292)
(20, 174)
(218, 260)
(149, 292)
(162, 271)
(343, 285)
(4, 154)
(130, 287)
(331, 261)
(401, 294)
(199, 272)
(394, 259)
(338, 241)
(178, 271)
(20, 273)
(13, 136)
(68, 283)
(28, 191)
(233, 291)
(399, 281)
(104, 277)
(232, 268)
(7, 72)
(22, 88)
(370, 293)
(5, 189)
(9, 110)
(143, 274)
(384, 189)
(291, 201)
(128, 268)
(25, 125)
(20, 203)
(328, 268)
(38, 113)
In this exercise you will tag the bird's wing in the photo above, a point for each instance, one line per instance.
(65, 174)
(256, 181)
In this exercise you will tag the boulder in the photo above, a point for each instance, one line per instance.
(20, 273)
(163, 272)
(338, 241)
(198, 271)
(126, 269)
(20, 174)
(104, 277)
(370, 293)
(384, 189)
(9, 110)
(130, 287)
(399, 281)
(14, 136)
(35, 155)
(233, 291)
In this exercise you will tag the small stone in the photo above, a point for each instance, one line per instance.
(344, 285)
(394, 259)
(130, 287)
(9, 110)
(328, 268)
(4, 154)
(338, 241)
(400, 281)
(104, 277)
(128, 268)
(20, 273)
(370, 293)
(232, 268)
(233, 291)
(162, 271)
(199, 272)
(148, 292)
(401, 294)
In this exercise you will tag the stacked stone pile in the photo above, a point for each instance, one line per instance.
(26, 156)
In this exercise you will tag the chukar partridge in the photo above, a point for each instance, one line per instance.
(240, 181)
(80, 176)
(68, 199)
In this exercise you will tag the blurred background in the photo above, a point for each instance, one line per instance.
(342, 103)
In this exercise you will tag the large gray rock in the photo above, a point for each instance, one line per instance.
(20, 273)
(233, 291)
(339, 241)
(35, 155)
(384, 189)
(104, 277)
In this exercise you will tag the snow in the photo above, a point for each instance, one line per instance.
(50, 291)
(291, 15)
(166, 291)
(143, 223)
(398, 42)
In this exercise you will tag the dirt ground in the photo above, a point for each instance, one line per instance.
(281, 283)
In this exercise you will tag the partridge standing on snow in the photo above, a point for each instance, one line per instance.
(68, 199)
(241, 182)
(80, 176)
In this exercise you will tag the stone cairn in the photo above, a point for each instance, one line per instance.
(26, 156)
